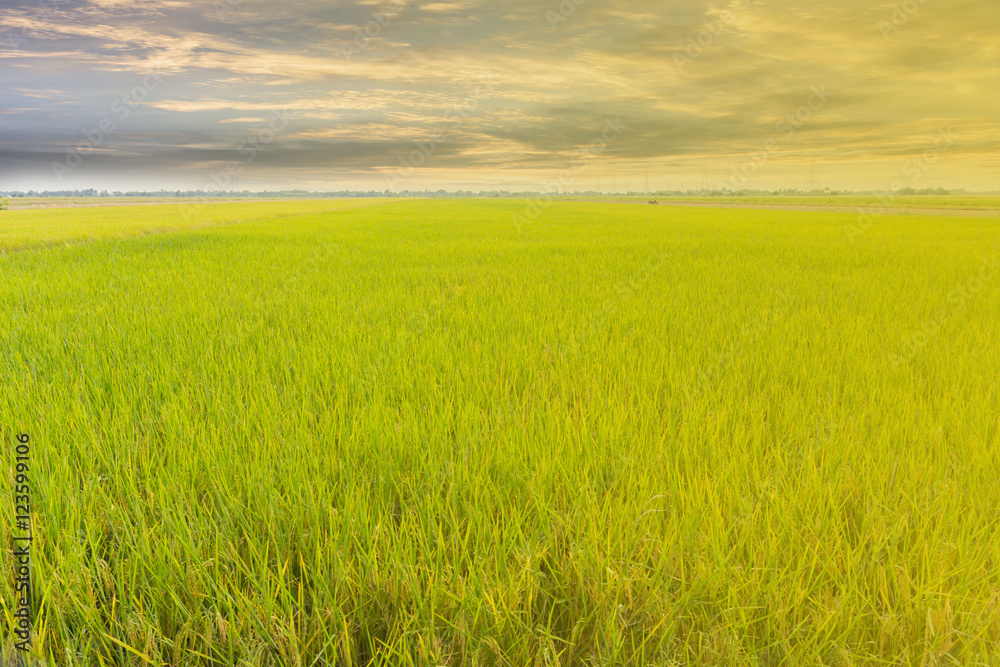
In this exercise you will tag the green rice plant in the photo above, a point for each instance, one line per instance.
(37, 227)
(410, 434)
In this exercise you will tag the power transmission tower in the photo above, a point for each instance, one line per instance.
(812, 183)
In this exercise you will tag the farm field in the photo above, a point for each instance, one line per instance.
(32, 228)
(902, 202)
(437, 432)
(29, 203)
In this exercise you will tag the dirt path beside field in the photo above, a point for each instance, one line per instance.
(974, 213)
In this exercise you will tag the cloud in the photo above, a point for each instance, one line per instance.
(749, 65)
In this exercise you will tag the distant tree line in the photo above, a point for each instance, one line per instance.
(286, 194)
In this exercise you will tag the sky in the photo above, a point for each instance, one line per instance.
(608, 95)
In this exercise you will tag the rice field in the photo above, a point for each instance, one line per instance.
(37, 227)
(979, 203)
(436, 432)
